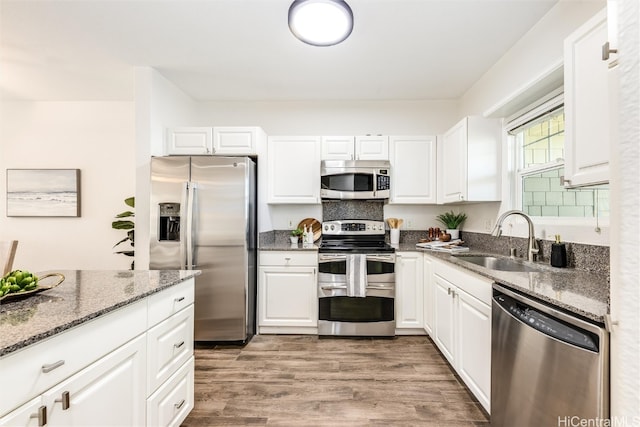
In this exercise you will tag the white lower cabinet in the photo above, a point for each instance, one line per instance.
(107, 371)
(288, 292)
(428, 295)
(173, 401)
(462, 325)
(474, 345)
(409, 290)
(110, 390)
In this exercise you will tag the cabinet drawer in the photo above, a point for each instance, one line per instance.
(169, 345)
(170, 301)
(173, 401)
(285, 258)
(38, 367)
(474, 284)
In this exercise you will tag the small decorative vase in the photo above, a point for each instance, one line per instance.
(294, 240)
(455, 234)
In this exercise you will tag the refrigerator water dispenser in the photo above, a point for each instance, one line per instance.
(169, 222)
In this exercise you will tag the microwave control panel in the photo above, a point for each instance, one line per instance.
(383, 180)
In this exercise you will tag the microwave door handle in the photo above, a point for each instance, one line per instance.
(375, 183)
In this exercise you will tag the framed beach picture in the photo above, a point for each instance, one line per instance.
(43, 192)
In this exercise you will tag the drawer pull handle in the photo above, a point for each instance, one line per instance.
(41, 415)
(64, 400)
(179, 299)
(179, 345)
(180, 404)
(51, 366)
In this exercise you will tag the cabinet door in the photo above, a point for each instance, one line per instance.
(189, 140)
(287, 296)
(473, 352)
(31, 414)
(586, 105)
(169, 345)
(338, 147)
(409, 292)
(172, 402)
(428, 297)
(111, 391)
(444, 319)
(372, 147)
(452, 164)
(413, 169)
(235, 140)
(293, 170)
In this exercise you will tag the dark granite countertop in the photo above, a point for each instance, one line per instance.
(580, 292)
(84, 295)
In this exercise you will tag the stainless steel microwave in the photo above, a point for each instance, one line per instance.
(355, 179)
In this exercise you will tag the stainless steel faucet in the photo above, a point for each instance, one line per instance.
(533, 244)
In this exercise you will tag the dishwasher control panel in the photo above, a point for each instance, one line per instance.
(548, 325)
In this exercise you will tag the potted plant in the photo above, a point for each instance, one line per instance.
(452, 221)
(126, 224)
(295, 235)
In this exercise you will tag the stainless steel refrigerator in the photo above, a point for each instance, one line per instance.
(203, 217)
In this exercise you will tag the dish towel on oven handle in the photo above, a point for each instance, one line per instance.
(356, 275)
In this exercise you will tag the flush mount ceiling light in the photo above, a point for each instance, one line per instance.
(320, 22)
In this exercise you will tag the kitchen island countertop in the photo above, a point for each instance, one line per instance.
(84, 295)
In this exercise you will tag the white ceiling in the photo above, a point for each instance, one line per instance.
(243, 50)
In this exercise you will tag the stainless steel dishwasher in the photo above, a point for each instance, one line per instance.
(547, 368)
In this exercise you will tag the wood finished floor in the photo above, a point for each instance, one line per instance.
(309, 381)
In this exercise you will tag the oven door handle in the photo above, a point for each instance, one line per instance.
(384, 258)
(329, 258)
(373, 287)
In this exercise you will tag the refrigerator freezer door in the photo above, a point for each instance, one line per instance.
(169, 177)
(221, 251)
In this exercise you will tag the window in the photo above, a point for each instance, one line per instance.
(538, 141)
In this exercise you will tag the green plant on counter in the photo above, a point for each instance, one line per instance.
(452, 220)
(126, 224)
(296, 233)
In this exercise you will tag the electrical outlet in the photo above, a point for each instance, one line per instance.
(487, 225)
(290, 224)
(409, 224)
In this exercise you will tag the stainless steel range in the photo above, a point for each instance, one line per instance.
(356, 280)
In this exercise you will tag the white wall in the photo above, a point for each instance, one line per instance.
(534, 56)
(98, 139)
(625, 259)
(159, 104)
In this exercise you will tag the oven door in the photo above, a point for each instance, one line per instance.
(339, 314)
(332, 269)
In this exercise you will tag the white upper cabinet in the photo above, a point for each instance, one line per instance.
(586, 105)
(469, 161)
(413, 169)
(189, 140)
(338, 147)
(293, 169)
(236, 140)
(370, 147)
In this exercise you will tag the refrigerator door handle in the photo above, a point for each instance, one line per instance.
(191, 202)
(184, 199)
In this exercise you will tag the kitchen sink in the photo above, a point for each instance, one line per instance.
(501, 264)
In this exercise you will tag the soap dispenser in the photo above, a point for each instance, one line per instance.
(558, 253)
